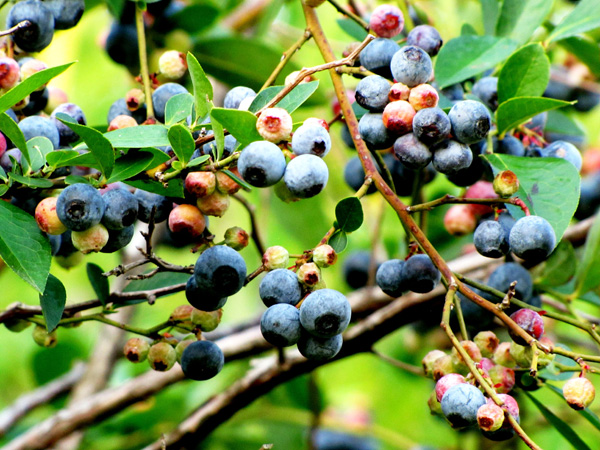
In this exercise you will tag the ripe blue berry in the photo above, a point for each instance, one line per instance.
(411, 65)
(532, 238)
(280, 286)
(490, 239)
(306, 176)
(377, 56)
(564, 150)
(487, 90)
(121, 209)
(460, 404)
(425, 37)
(40, 126)
(66, 13)
(372, 93)
(202, 299)
(311, 139)
(319, 349)
(235, 96)
(412, 152)
(118, 239)
(261, 164)
(470, 121)
(325, 313)
(67, 135)
(280, 325)
(202, 360)
(450, 156)
(504, 275)
(122, 45)
(374, 132)
(356, 269)
(147, 201)
(38, 35)
(162, 95)
(390, 277)
(79, 207)
(431, 125)
(220, 270)
(420, 274)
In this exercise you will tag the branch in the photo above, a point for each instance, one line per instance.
(254, 231)
(287, 55)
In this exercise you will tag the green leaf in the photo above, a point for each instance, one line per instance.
(99, 282)
(195, 18)
(352, 29)
(130, 165)
(559, 268)
(525, 74)
(588, 272)
(85, 160)
(349, 214)
(520, 18)
(53, 302)
(238, 180)
(516, 111)
(99, 146)
(239, 60)
(548, 186)
(203, 90)
(586, 50)
(30, 84)
(61, 158)
(588, 414)
(23, 247)
(339, 241)
(174, 189)
(468, 30)
(490, 11)
(565, 430)
(41, 183)
(139, 137)
(73, 179)
(12, 131)
(182, 142)
(219, 134)
(199, 160)
(240, 124)
(178, 108)
(585, 17)
(292, 101)
(466, 56)
(38, 148)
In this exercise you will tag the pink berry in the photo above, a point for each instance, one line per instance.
(579, 392)
(503, 379)
(200, 184)
(460, 220)
(502, 355)
(487, 341)
(122, 121)
(187, 220)
(47, 218)
(490, 417)
(226, 184)
(446, 382)
(471, 349)
(399, 91)
(423, 96)
(275, 124)
(398, 117)
(481, 189)
(91, 240)
(31, 67)
(510, 404)
(486, 364)
(9, 73)
(214, 204)
(530, 321)
(387, 21)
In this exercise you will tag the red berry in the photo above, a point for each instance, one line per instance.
(460, 220)
(399, 91)
(46, 217)
(530, 321)
(387, 21)
(187, 220)
(275, 124)
(9, 73)
(446, 382)
(200, 184)
(481, 189)
(398, 117)
(423, 96)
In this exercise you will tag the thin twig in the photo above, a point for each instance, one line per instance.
(253, 223)
(350, 14)
(141, 37)
(287, 55)
(17, 27)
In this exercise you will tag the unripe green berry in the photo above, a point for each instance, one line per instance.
(579, 392)
(472, 350)
(435, 407)
(136, 350)
(207, 320)
(276, 257)
(236, 238)
(16, 325)
(519, 354)
(309, 274)
(506, 184)
(429, 359)
(43, 338)
(324, 256)
(91, 240)
(503, 357)
(443, 366)
(172, 64)
(487, 342)
(162, 356)
(182, 345)
(183, 316)
(490, 417)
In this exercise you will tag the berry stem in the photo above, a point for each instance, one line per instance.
(141, 36)
(253, 223)
(17, 27)
(287, 55)
(348, 13)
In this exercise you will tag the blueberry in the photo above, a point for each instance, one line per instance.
(504, 219)
(510, 145)
(505, 274)
(404, 178)
(470, 121)
(202, 360)
(411, 65)
(390, 277)
(162, 95)
(374, 133)
(487, 90)
(67, 135)
(121, 209)
(118, 239)
(420, 274)
(306, 176)
(476, 317)
(469, 175)
(564, 150)
(454, 92)
(372, 93)
(586, 100)
(122, 45)
(319, 349)
(220, 270)
(354, 175)
(6, 160)
(377, 56)
(338, 440)
(35, 126)
(450, 156)
(325, 313)
(66, 13)
(280, 325)
(261, 164)
(38, 35)
(311, 139)
(79, 207)
(589, 199)
(538, 122)
(38, 100)
(501, 434)
(356, 269)
(202, 299)
(558, 90)
(210, 148)
(490, 239)
(280, 286)
(344, 134)
(119, 108)
(147, 201)
(431, 125)
(532, 238)
(460, 404)
(412, 152)
(425, 37)
(235, 96)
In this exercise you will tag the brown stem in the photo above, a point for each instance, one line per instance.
(350, 14)
(287, 55)
(253, 224)
(17, 27)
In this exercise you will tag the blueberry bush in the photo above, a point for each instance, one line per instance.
(321, 224)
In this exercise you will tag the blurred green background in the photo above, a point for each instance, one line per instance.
(396, 400)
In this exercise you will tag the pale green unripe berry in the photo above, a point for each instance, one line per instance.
(43, 338)
(162, 356)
